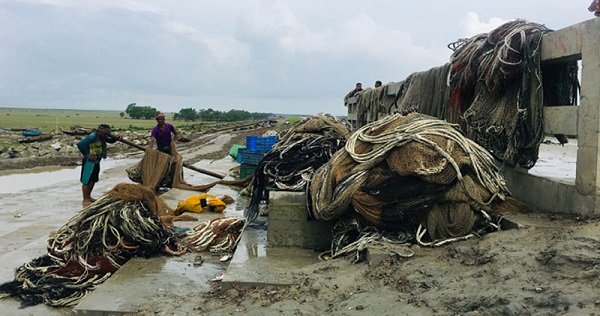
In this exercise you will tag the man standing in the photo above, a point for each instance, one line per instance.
(352, 93)
(357, 89)
(595, 7)
(93, 149)
(161, 134)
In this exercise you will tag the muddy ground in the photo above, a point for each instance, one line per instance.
(550, 267)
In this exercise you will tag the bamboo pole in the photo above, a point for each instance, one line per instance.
(185, 164)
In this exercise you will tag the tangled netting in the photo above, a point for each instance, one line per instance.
(496, 81)
(426, 92)
(92, 245)
(493, 87)
(371, 104)
(158, 170)
(352, 236)
(292, 162)
(95, 243)
(406, 171)
(220, 235)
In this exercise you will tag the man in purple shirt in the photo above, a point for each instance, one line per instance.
(161, 134)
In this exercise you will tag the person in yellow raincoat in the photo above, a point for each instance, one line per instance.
(199, 203)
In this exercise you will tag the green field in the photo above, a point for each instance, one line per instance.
(52, 119)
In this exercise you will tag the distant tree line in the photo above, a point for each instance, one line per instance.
(141, 112)
(209, 114)
(190, 114)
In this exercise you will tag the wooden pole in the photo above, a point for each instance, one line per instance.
(185, 164)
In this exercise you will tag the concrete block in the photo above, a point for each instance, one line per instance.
(286, 198)
(308, 234)
(289, 225)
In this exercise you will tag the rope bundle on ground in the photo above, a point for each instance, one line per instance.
(292, 162)
(404, 171)
(92, 245)
(218, 235)
(351, 237)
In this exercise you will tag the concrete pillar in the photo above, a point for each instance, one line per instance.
(587, 178)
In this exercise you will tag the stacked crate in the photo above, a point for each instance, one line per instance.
(256, 149)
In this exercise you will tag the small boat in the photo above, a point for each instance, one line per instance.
(79, 131)
(31, 132)
(38, 138)
(9, 129)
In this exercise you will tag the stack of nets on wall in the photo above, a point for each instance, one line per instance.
(426, 92)
(372, 104)
(493, 87)
(413, 177)
(92, 246)
(160, 171)
(496, 81)
(291, 163)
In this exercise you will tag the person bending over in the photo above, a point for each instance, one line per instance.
(93, 149)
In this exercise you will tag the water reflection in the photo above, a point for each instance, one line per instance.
(40, 177)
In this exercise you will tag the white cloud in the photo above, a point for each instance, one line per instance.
(473, 26)
(263, 55)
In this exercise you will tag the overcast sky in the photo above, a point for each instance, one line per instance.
(257, 55)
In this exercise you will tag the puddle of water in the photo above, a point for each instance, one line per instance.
(16, 183)
(556, 161)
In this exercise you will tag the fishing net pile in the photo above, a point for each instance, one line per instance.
(160, 170)
(413, 175)
(496, 82)
(92, 245)
(124, 223)
(291, 163)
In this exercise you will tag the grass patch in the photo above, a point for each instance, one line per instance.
(49, 120)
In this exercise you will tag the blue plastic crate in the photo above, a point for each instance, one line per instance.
(251, 141)
(249, 157)
(247, 170)
(265, 144)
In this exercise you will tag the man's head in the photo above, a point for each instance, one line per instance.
(377, 84)
(160, 118)
(103, 130)
(358, 86)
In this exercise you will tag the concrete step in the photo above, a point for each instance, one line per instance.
(256, 264)
(140, 279)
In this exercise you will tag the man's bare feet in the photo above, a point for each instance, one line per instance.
(86, 202)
